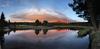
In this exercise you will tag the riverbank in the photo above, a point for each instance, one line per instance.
(96, 40)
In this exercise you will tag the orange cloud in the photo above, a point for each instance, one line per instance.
(32, 15)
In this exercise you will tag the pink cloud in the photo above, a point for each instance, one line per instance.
(43, 14)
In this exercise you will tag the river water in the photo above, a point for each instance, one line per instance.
(49, 39)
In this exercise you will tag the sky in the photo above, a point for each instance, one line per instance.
(18, 9)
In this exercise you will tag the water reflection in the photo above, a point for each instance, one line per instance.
(53, 39)
(45, 31)
(2, 32)
(37, 31)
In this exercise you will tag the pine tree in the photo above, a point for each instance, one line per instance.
(37, 22)
(2, 16)
(45, 22)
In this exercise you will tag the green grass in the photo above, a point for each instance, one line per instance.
(83, 31)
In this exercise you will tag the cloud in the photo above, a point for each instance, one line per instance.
(31, 15)
(9, 3)
(5, 3)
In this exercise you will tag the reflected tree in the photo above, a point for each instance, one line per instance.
(37, 31)
(45, 31)
(2, 40)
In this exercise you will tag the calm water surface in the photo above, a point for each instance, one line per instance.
(53, 39)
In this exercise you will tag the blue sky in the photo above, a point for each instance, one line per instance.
(10, 7)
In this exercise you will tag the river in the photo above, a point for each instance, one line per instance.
(43, 39)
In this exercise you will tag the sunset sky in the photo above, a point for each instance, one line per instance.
(25, 9)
